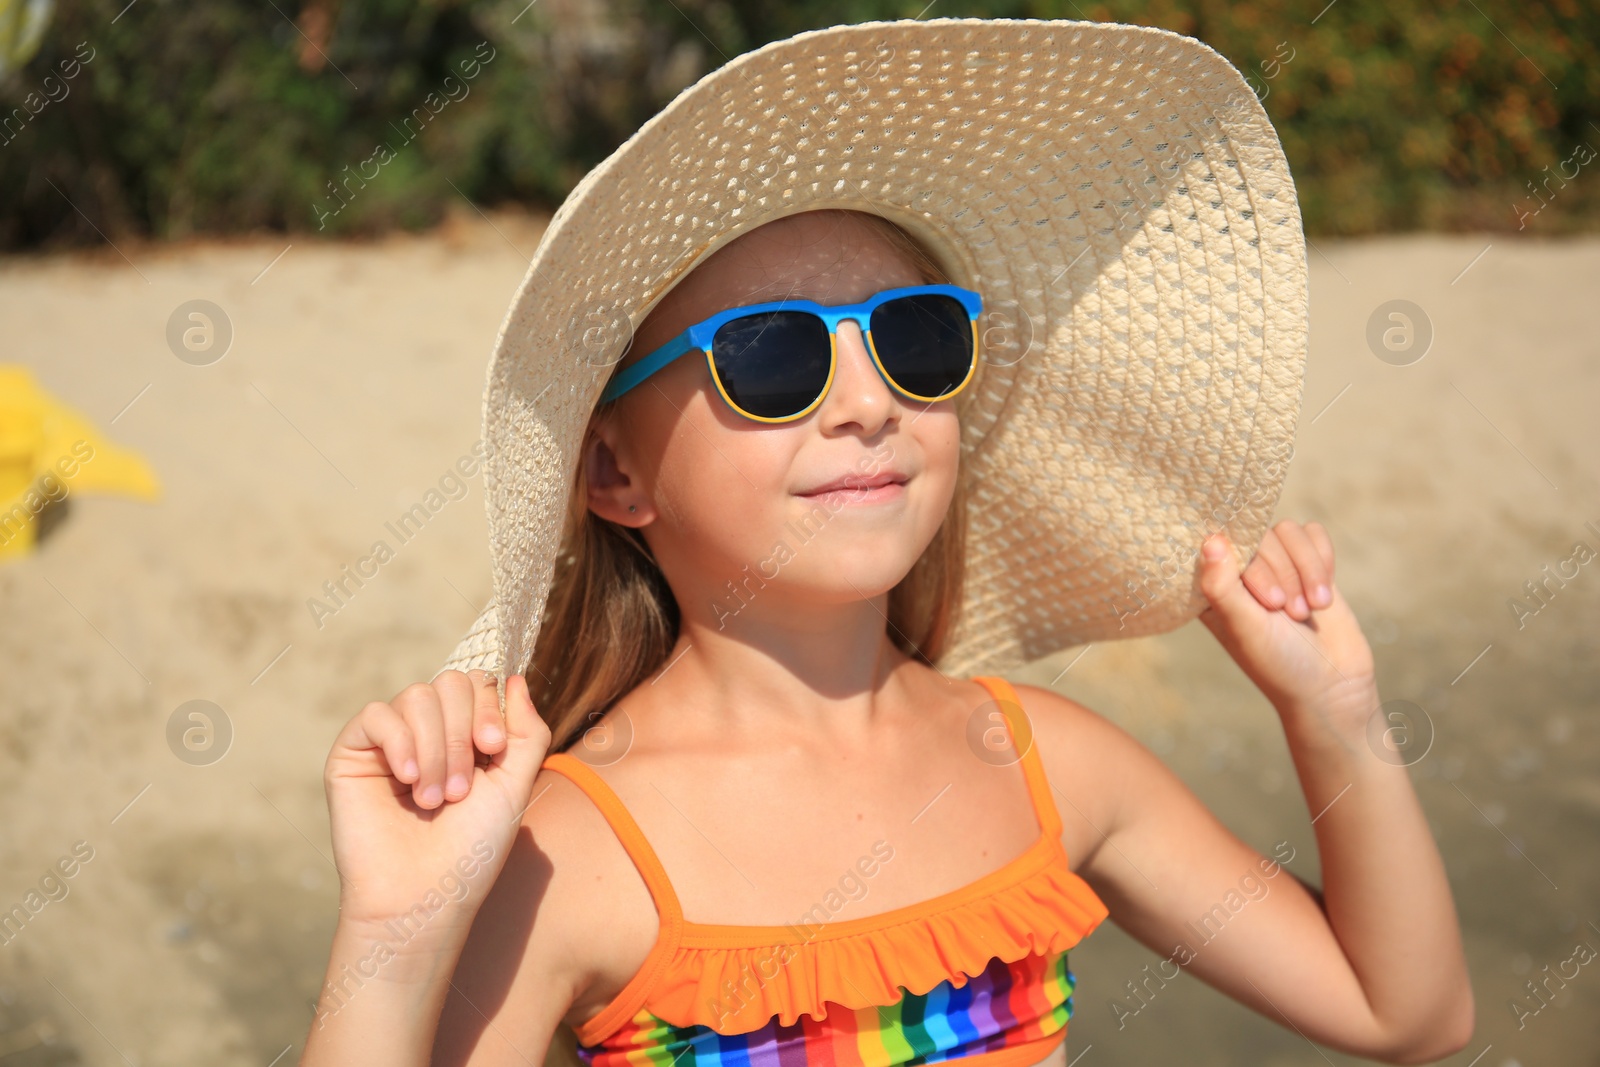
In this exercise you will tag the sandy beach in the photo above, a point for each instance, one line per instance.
(344, 415)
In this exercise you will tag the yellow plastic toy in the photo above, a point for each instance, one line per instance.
(48, 452)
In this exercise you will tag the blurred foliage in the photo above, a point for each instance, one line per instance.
(356, 116)
(22, 24)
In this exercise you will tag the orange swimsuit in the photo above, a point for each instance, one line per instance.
(977, 974)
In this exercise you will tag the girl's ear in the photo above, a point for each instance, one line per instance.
(611, 493)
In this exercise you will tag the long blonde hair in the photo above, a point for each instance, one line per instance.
(611, 618)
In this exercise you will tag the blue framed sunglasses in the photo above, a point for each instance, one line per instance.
(775, 362)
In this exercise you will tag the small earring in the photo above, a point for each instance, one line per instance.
(632, 508)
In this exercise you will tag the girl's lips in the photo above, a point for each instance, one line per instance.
(856, 490)
(857, 494)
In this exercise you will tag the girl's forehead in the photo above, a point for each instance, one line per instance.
(831, 261)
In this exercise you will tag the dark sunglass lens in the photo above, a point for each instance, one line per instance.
(924, 342)
(774, 363)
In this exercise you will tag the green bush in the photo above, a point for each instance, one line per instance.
(220, 116)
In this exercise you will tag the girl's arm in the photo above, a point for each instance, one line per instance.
(493, 994)
(568, 920)
(1372, 964)
(421, 833)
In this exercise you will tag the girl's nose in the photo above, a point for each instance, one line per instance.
(858, 397)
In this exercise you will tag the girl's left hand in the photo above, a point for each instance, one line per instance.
(1285, 624)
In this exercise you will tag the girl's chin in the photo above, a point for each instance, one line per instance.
(856, 574)
(825, 566)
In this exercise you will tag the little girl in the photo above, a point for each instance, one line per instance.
(743, 815)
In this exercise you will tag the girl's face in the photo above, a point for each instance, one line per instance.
(723, 499)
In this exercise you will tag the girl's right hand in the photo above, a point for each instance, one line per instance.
(416, 822)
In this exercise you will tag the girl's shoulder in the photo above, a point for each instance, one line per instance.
(1070, 734)
(602, 901)
(1102, 777)
(1095, 768)
(568, 914)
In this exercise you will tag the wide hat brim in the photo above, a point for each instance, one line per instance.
(1120, 199)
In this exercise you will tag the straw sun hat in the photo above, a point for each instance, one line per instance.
(1115, 193)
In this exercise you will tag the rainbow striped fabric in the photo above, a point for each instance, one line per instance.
(1008, 1005)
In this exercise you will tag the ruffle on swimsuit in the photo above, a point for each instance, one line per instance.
(979, 971)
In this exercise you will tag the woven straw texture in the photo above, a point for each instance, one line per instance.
(1116, 194)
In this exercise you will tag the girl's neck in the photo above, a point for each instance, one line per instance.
(829, 669)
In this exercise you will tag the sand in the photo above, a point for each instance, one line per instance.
(197, 929)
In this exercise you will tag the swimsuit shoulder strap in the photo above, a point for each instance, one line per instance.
(622, 824)
(1019, 728)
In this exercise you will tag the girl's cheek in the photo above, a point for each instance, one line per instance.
(938, 434)
(732, 476)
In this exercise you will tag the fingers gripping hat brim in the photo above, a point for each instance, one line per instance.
(1120, 199)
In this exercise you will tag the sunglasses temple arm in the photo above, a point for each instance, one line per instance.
(647, 366)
